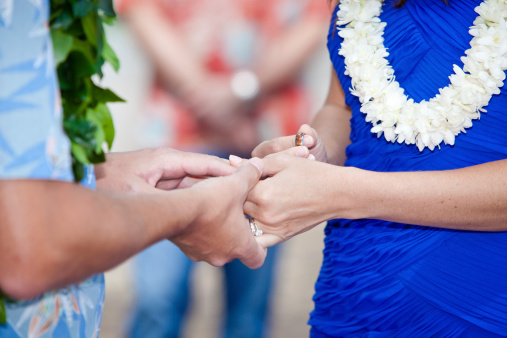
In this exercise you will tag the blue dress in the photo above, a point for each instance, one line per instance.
(385, 279)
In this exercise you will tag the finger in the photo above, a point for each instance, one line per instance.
(167, 184)
(268, 240)
(205, 165)
(275, 163)
(300, 151)
(274, 146)
(309, 140)
(249, 207)
(188, 182)
(236, 161)
(254, 254)
(250, 172)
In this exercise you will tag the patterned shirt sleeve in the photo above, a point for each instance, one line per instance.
(32, 141)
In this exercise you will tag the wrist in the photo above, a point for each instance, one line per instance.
(187, 205)
(356, 192)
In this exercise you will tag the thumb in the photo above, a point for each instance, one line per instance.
(255, 256)
(250, 172)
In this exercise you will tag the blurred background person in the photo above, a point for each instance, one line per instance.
(227, 77)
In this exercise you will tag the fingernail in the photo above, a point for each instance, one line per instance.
(302, 151)
(235, 159)
(311, 157)
(258, 163)
(308, 140)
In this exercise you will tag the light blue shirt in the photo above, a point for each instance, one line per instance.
(33, 145)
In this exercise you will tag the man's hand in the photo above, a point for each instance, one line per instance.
(311, 140)
(162, 168)
(220, 231)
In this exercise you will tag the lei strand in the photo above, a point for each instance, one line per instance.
(428, 123)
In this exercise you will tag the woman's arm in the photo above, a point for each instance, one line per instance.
(299, 194)
(472, 198)
(332, 123)
(58, 233)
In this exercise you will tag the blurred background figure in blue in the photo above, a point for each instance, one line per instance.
(227, 76)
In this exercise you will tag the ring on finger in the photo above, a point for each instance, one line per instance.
(299, 139)
(253, 226)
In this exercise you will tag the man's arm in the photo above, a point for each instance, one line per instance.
(58, 233)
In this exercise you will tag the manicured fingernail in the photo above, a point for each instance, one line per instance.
(235, 159)
(302, 151)
(311, 157)
(308, 140)
(257, 162)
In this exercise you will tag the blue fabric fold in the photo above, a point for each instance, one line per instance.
(384, 279)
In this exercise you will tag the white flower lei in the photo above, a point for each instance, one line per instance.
(440, 119)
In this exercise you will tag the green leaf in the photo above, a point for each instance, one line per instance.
(107, 7)
(104, 95)
(63, 18)
(100, 135)
(82, 132)
(97, 157)
(110, 56)
(78, 169)
(94, 31)
(79, 153)
(85, 48)
(82, 8)
(62, 45)
(79, 65)
(104, 116)
(108, 20)
(3, 313)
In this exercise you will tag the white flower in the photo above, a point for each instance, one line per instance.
(428, 123)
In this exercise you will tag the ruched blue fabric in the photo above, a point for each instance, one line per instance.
(384, 279)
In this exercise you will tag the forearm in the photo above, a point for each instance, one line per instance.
(176, 64)
(286, 54)
(88, 232)
(473, 198)
(332, 123)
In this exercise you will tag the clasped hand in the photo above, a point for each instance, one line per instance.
(288, 199)
(214, 227)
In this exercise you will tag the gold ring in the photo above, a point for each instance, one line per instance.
(299, 139)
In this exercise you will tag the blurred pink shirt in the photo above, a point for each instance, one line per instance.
(227, 35)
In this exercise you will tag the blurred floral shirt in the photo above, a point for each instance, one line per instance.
(33, 145)
(227, 35)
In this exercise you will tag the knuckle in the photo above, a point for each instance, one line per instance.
(274, 146)
(261, 197)
(257, 152)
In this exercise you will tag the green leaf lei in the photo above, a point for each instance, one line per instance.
(80, 51)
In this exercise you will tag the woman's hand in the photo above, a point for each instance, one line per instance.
(220, 231)
(295, 197)
(311, 140)
(162, 168)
